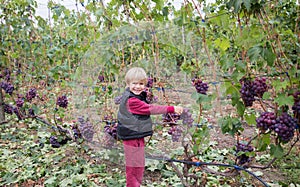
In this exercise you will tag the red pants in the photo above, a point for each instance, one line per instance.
(135, 161)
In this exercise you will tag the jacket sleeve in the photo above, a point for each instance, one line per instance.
(137, 106)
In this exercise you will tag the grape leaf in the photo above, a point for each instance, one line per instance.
(254, 53)
(51, 180)
(250, 119)
(278, 85)
(282, 100)
(269, 56)
(223, 43)
(276, 151)
(247, 4)
(240, 108)
(262, 142)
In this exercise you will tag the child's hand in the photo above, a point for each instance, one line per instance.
(178, 109)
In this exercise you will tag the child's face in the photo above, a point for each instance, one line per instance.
(137, 87)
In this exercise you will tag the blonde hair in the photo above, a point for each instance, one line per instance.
(136, 74)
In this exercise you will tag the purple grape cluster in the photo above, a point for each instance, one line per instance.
(150, 82)
(296, 109)
(31, 94)
(250, 89)
(31, 112)
(170, 117)
(118, 99)
(101, 78)
(20, 101)
(62, 101)
(200, 86)
(150, 98)
(285, 127)
(243, 157)
(111, 128)
(54, 142)
(259, 86)
(186, 117)
(7, 87)
(76, 131)
(86, 129)
(9, 109)
(247, 93)
(5, 74)
(16, 110)
(296, 105)
(266, 121)
(175, 131)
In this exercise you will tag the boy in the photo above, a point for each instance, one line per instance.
(134, 123)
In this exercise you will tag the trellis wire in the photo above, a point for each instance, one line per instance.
(198, 164)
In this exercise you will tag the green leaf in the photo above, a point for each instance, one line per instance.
(51, 180)
(240, 108)
(262, 142)
(165, 11)
(222, 43)
(278, 84)
(247, 4)
(250, 119)
(254, 53)
(230, 125)
(276, 151)
(230, 88)
(236, 4)
(269, 56)
(266, 96)
(283, 99)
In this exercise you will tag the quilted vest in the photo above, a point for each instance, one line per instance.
(132, 126)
